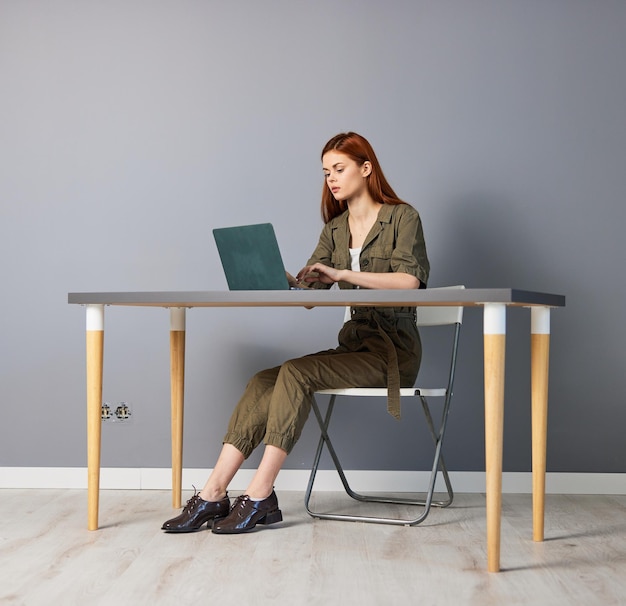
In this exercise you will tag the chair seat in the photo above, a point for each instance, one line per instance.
(382, 391)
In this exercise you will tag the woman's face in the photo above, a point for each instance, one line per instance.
(344, 177)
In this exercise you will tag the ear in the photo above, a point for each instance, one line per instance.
(366, 168)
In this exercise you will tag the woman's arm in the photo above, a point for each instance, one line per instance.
(319, 272)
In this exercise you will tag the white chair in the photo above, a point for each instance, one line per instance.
(451, 317)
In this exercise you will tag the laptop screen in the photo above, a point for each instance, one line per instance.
(251, 258)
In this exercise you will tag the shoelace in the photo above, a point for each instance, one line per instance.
(240, 502)
(193, 500)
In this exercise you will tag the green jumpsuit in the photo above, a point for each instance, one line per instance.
(378, 346)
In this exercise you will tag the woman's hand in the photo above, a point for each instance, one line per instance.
(318, 272)
(293, 282)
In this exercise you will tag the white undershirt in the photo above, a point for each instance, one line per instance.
(355, 253)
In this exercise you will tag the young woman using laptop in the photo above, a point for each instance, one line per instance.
(370, 239)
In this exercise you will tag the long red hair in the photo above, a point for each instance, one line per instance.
(359, 149)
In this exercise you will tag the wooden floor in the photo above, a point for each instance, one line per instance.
(48, 557)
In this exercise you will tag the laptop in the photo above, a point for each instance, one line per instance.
(251, 258)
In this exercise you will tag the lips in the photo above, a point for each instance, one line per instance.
(334, 189)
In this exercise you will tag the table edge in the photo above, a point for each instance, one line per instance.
(335, 297)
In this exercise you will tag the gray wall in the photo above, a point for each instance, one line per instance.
(129, 129)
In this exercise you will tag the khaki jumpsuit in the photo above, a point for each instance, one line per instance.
(378, 346)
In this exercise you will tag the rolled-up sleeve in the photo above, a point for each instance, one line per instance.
(409, 253)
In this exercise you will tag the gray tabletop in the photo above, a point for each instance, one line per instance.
(313, 298)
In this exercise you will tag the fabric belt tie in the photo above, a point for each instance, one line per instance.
(393, 372)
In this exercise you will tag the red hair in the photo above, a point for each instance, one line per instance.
(359, 149)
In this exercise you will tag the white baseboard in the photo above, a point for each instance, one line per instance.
(296, 479)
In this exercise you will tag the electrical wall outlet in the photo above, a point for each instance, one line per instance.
(106, 411)
(119, 412)
(123, 412)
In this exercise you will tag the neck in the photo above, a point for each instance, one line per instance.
(363, 206)
(362, 215)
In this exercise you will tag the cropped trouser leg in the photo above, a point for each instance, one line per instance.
(277, 401)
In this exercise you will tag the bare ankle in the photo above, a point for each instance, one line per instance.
(259, 493)
(210, 494)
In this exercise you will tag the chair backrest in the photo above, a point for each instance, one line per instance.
(433, 316)
(440, 315)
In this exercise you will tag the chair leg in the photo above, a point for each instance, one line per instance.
(438, 439)
(325, 440)
(323, 423)
(438, 465)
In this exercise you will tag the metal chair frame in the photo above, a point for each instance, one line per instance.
(431, 316)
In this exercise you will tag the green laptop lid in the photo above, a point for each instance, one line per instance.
(251, 258)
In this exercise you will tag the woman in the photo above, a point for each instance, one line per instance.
(371, 239)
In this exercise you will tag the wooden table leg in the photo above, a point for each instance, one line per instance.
(95, 351)
(494, 329)
(540, 349)
(177, 379)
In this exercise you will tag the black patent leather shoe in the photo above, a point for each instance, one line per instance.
(196, 513)
(246, 514)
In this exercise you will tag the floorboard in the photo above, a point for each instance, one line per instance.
(48, 556)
